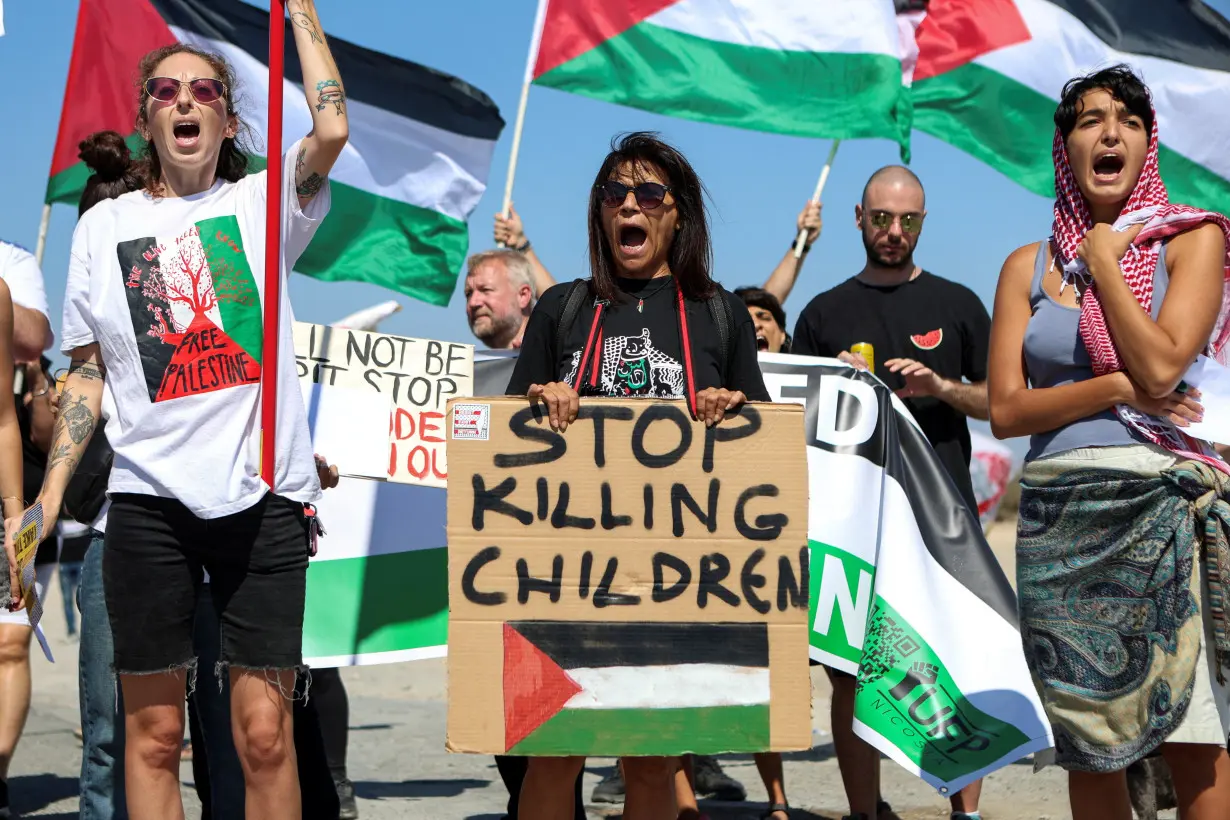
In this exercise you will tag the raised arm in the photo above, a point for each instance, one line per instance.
(326, 97)
(1016, 409)
(511, 233)
(781, 281)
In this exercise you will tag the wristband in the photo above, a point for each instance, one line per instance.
(795, 244)
(523, 248)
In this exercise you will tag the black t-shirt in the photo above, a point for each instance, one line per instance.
(928, 319)
(641, 350)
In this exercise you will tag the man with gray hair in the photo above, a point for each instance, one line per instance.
(500, 294)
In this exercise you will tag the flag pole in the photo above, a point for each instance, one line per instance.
(824, 177)
(531, 59)
(42, 235)
(273, 242)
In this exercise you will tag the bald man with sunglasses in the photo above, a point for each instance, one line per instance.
(929, 338)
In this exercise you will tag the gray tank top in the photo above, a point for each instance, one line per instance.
(1055, 355)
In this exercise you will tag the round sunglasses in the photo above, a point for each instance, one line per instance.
(649, 195)
(204, 89)
(883, 220)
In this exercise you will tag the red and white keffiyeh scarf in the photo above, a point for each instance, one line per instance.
(1148, 204)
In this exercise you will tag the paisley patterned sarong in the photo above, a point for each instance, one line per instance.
(1109, 580)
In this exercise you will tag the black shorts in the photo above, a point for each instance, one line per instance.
(153, 563)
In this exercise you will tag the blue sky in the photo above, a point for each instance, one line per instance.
(758, 182)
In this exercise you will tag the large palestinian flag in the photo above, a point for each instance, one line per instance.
(420, 141)
(990, 72)
(811, 68)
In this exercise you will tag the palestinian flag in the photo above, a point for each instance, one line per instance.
(990, 72)
(635, 688)
(810, 68)
(416, 165)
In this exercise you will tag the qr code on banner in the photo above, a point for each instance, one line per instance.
(471, 422)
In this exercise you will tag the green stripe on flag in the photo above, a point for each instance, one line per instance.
(382, 603)
(640, 732)
(1010, 127)
(908, 696)
(365, 238)
(806, 94)
(835, 639)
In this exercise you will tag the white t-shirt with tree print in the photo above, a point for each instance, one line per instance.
(171, 289)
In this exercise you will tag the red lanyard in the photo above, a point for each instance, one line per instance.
(593, 348)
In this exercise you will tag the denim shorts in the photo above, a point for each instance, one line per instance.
(154, 562)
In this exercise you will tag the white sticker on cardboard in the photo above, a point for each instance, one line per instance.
(471, 422)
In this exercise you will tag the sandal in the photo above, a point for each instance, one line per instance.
(776, 808)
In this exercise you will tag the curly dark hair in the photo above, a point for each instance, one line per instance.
(691, 254)
(112, 169)
(233, 158)
(1122, 83)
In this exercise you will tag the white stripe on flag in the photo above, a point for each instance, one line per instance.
(678, 686)
(387, 155)
(1192, 114)
(830, 26)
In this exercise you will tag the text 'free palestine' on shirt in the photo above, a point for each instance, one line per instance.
(171, 289)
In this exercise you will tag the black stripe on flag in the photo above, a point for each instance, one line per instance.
(592, 644)
(407, 89)
(948, 527)
(1184, 31)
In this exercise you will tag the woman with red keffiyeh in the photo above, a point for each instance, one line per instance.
(1123, 552)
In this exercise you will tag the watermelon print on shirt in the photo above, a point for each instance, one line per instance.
(195, 309)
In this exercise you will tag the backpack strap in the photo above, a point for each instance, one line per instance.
(722, 320)
(573, 302)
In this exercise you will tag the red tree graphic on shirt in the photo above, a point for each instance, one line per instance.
(188, 282)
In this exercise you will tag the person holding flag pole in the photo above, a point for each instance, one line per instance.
(163, 305)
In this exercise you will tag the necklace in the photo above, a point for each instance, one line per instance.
(640, 304)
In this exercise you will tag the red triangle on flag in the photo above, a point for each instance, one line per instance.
(205, 359)
(535, 687)
(573, 27)
(955, 32)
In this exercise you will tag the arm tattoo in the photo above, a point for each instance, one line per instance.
(77, 418)
(299, 162)
(305, 22)
(309, 187)
(62, 455)
(87, 370)
(330, 92)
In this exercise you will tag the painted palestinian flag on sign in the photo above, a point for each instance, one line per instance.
(810, 68)
(990, 72)
(635, 688)
(905, 592)
(420, 141)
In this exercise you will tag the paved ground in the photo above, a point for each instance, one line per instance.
(400, 769)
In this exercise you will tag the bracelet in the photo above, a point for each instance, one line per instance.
(524, 247)
(795, 245)
(42, 392)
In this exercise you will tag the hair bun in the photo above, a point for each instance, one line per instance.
(107, 155)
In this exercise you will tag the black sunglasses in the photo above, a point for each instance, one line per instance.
(649, 195)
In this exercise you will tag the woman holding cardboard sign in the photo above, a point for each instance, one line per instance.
(650, 322)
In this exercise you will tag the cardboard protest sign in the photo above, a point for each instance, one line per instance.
(417, 375)
(905, 591)
(634, 586)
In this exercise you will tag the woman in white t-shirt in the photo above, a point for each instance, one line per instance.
(164, 303)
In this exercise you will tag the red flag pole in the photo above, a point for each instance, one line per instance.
(273, 241)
